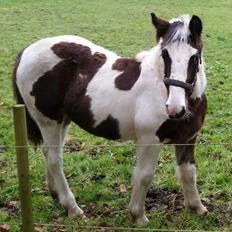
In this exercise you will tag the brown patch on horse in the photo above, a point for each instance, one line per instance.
(60, 92)
(170, 129)
(185, 153)
(195, 27)
(109, 128)
(197, 43)
(78, 64)
(161, 26)
(49, 90)
(131, 70)
(193, 68)
(77, 107)
(167, 62)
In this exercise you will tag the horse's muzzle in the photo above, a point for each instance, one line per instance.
(176, 115)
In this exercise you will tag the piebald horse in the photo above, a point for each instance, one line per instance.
(155, 98)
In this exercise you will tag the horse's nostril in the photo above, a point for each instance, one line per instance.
(182, 112)
(183, 109)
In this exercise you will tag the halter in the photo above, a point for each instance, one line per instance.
(188, 87)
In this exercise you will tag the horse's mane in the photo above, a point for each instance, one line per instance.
(178, 30)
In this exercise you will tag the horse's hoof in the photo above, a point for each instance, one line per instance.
(142, 221)
(200, 210)
(75, 211)
(139, 220)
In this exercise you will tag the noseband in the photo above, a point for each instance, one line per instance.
(188, 87)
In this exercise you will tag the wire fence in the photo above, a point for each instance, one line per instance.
(108, 228)
(120, 145)
(65, 227)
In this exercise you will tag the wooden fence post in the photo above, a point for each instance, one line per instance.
(23, 167)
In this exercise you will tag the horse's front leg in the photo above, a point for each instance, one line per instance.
(186, 174)
(147, 156)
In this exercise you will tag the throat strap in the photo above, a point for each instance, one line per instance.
(188, 87)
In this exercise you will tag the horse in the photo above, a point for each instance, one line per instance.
(153, 99)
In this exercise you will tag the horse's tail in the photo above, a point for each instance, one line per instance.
(33, 131)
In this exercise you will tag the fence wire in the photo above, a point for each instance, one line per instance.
(108, 228)
(81, 146)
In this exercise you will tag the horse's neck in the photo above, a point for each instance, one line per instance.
(150, 61)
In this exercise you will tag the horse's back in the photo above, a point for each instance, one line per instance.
(40, 56)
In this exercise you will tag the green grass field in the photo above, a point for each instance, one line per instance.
(99, 172)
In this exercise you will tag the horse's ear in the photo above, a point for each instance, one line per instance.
(195, 27)
(161, 25)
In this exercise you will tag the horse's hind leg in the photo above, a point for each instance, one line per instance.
(186, 174)
(53, 137)
(50, 180)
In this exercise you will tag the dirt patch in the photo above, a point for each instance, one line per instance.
(11, 208)
(171, 202)
(72, 145)
(164, 200)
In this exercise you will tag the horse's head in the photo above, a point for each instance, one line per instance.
(181, 48)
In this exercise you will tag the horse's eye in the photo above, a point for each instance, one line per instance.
(195, 59)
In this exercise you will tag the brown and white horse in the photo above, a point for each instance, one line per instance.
(156, 98)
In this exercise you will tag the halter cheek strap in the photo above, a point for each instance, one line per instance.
(188, 87)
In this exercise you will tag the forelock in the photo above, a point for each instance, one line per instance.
(178, 30)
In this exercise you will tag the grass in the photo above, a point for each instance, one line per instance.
(100, 176)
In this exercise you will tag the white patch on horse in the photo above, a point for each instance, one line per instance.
(103, 85)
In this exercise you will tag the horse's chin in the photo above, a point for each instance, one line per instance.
(188, 115)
